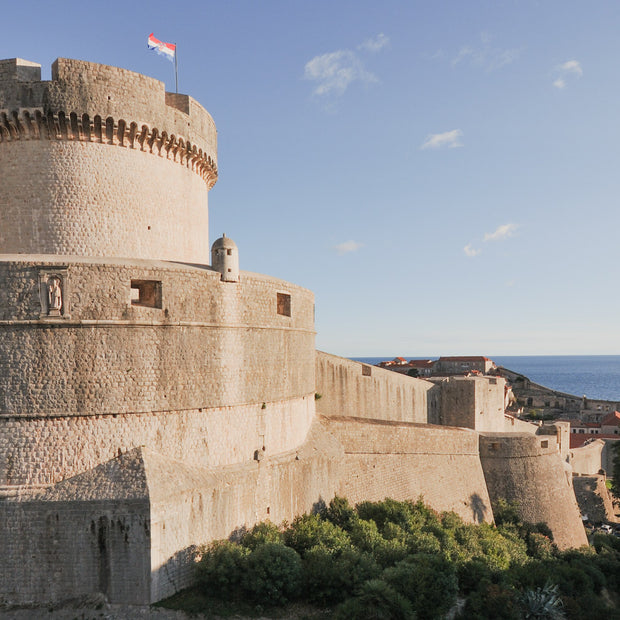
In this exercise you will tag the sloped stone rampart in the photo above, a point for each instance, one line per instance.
(587, 459)
(528, 470)
(408, 461)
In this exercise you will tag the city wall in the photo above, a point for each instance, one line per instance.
(349, 388)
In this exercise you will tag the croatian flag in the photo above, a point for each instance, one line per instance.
(168, 50)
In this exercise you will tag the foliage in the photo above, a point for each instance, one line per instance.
(395, 559)
(274, 574)
(221, 568)
(261, 533)
(429, 582)
(309, 531)
(375, 601)
(330, 578)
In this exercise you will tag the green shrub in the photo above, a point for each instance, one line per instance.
(274, 574)
(423, 542)
(376, 601)
(341, 513)
(261, 533)
(330, 578)
(309, 531)
(407, 515)
(428, 581)
(221, 568)
(491, 602)
(506, 512)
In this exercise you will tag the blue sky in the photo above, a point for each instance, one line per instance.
(443, 175)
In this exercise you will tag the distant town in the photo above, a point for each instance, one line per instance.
(589, 419)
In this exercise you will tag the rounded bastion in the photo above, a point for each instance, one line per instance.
(101, 161)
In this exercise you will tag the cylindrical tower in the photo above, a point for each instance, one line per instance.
(101, 161)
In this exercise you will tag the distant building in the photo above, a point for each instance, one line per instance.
(463, 365)
(610, 424)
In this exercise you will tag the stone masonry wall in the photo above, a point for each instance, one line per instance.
(210, 344)
(472, 402)
(77, 198)
(52, 551)
(351, 388)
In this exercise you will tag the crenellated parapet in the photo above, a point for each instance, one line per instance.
(33, 124)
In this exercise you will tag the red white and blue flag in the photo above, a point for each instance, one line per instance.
(168, 50)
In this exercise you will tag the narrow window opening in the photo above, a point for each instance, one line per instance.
(284, 304)
(366, 370)
(544, 444)
(146, 293)
(229, 252)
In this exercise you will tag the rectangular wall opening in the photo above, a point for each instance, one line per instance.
(284, 304)
(146, 293)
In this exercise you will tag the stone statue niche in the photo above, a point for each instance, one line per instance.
(53, 293)
(54, 296)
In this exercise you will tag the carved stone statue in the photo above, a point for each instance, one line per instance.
(54, 296)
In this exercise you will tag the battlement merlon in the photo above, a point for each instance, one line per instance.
(81, 87)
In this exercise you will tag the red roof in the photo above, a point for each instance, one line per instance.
(579, 424)
(578, 439)
(476, 358)
(421, 363)
(613, 419)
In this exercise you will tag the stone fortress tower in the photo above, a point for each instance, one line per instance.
(149, 401)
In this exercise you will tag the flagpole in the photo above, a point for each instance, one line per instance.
(176, 72)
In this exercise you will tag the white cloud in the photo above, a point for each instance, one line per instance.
(471, 251)
(448, 139)
(335, 71)
(486, 56)
(501, 232)
(348, 246)
(570, 68)
(375, 44)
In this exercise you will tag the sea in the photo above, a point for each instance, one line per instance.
(595, 376)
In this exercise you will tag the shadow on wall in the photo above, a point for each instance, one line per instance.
(479, 509)
(176, 573)
(433, 405)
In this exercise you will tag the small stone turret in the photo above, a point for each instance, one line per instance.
(225, 258)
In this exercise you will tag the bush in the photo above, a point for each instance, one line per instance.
(330, 579)
(309, 531)
(375, 601)
(274, 574)
(221, 568)
(491, 602)
(407, 515)
(340, 513)
(261, 533)
(428, 581)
